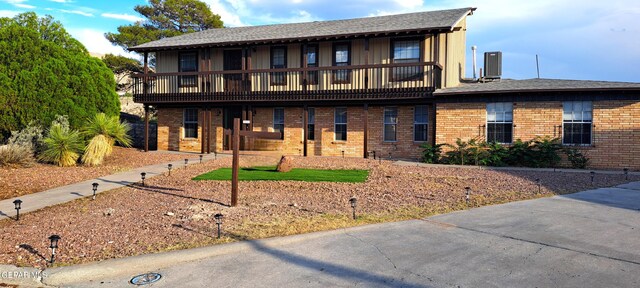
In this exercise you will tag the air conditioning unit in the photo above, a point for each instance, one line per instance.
(493, 65)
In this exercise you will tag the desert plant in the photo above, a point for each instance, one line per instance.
(61, 146)
(16, 155)
(29, 137)
(577, 159)
(431, 153)
(104, 132)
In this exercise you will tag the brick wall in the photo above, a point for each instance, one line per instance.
(616, 127)
(171, 133)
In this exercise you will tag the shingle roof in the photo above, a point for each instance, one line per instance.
(535, 85)
(420, 21)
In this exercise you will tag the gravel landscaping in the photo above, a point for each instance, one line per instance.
(16, 182)
(175, 212)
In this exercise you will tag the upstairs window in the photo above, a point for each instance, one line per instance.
(577, 118)
(420, 123)
(278, 121)
(278, 61)
(341, 57)
(311, 123)
(312, 61)
(406, 51)
(340, 124)
(390, 123)
(500, 122)
(187, 62)
(190, 123)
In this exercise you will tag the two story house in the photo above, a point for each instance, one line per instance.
(346, 87)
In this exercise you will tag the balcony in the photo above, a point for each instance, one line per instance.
(355, 82)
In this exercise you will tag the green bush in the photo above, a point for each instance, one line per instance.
(431, 153)
(496, 154)
(16, 155)
(459, 155)
(545, 152)
(577, 159)
(44, 72)
(62, 146)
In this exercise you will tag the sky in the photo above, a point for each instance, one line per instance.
(574, 39)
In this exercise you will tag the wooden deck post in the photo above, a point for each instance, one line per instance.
(203, 121)
(366, 62)
(236, 161)
(305, 129)
(209, 127)
(366, 128)
(146, 128)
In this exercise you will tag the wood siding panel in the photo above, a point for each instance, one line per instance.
(456, 54)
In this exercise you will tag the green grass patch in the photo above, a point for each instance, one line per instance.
(269, 173)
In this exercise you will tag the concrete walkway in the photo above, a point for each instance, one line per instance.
(586, 239)
(569, 170)
(63, 194)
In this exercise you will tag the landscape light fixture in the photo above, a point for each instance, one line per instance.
(389, 155)
(538, 183)
(468, 193)
(186, 161)
(143, 175)
(353, 202)
(54, 245)
(18, 205)
(593, 174)
(626, 173)
(218, 218)
(374, 154)
(215, 155)
(169, 167)
(200, 158)
(95, 188)
(342, 153)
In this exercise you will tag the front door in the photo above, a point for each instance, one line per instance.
(227, 122)
(233, 61)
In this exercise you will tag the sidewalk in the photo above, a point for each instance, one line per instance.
(568, 170)
(63, 194)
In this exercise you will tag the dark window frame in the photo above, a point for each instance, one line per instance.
(336, 124)
(419, 76)
(311, 123)
(581, 124)
(312, 76)
(417, 124)
(188, 122)
(395, 124)
(505, 126)
(192, 80)
(335, 73)
(276, 75)
(279, 125)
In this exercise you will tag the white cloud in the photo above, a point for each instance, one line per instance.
(228, 16)
(409, 3)
(95, 42)
(25, 6)
(126, 17)
(76, 12)
(8, 13)
(61, 1)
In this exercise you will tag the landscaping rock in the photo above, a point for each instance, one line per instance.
(285, 164)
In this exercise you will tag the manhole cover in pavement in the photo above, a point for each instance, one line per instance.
(145, 279)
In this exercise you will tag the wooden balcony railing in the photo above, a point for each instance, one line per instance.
(355, 82)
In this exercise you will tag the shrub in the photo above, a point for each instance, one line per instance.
(460, 153)
(431, 153)
(545, 152)
(16, 155)
(519, 153)
(577, 159)
(61, 146)
(496, 154)
(104, 132)
(29, 137)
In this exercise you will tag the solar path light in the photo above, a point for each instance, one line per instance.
(95, 188)
(186, 161)
(353, 201)
(18, 205)
(468, 194)
(626, 173)
(54, 245)
(215, 155)
(593, 175)
(538, 183)
(200, 158)
(169, 168)
(342, 153)
(143, 175)
(218, 218)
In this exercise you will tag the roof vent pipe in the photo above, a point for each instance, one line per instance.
(474, 48)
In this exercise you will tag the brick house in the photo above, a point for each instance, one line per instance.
(386, 84)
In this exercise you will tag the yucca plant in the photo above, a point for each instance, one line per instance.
(61, 146)
(104, 132)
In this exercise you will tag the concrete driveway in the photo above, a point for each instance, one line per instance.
(587, 239)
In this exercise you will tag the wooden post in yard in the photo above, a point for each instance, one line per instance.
(146, 128)
(236, 161)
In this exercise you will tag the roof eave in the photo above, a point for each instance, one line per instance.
(624, 89)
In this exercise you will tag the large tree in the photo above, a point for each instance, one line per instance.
(165, 18)
(44, 72)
